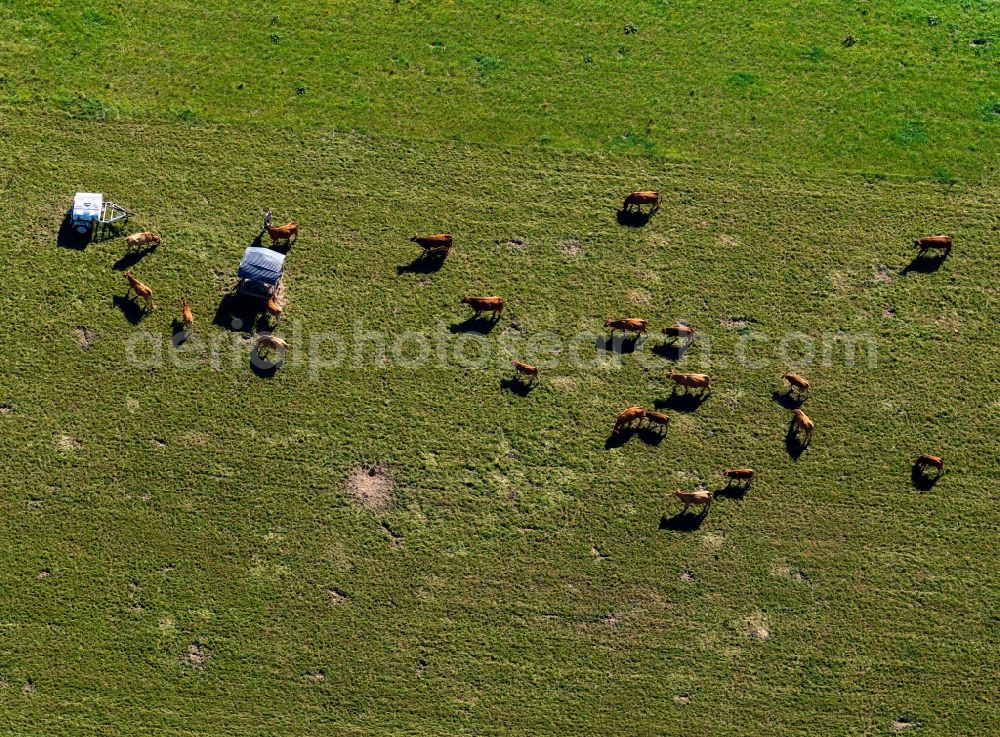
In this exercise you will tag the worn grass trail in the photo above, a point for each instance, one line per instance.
(519, 582)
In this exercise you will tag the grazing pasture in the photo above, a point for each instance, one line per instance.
(370, 539)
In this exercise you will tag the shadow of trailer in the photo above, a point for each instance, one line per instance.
(260, 272)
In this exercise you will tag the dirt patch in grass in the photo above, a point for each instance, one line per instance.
(371, 486)
(84, 336)
(132, 404)
(395, 538)
(517, 243)
(610, 619)
(43, 574)
(565, 383)
(682, 698)
(889, 312)
(759, 628)
(319, 675)
(196, 656)
(571, 246)
(67, 443)
(598, 554)
(882, 274)
(734, 322)
(159, 442)
(949, 323)
(29, 687)
(6, 409)
(688, 577)
(337, 597)
(638, 296)
(903, 723)
(194, 438)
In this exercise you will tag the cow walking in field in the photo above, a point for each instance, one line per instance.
(690, 381)
(140, 289)
(680, 333)
(479, 305)
(660, 420)
(701, 497)
(283, 233)
(428, 242)
(627, 325)
(627, 417)
(738, 475)
(796, 383)
(137, 240)
(637, 200)
(273, 309)
(928, 461)
(525, 371)
(187, 317)
(933, 243)
(802, 423)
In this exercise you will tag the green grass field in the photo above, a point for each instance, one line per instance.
(174, 524)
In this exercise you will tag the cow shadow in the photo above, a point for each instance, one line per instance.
(618, 439)
(683, 521)
(681, 401)
(261, 367)
(482, 325)
(651, 435)
(921, 481)
(672, 350)
(732, 491)
(787, 399)
(67, 237)
(794, 444)
(131, 258)
(282, 247)
(634, 218)
(180, 333)
(130, 309)
(620, 344)
(238, 313)
(924, 264)
(517, 385)
(422, 264)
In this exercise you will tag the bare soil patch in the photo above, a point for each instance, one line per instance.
(734, 322)
(638, 296)
(688, 577)
(758, 627)
(371, 486)
(902, 724)
(84, 336)
(337, 597)
(196, 656)
(571, 246)
(598, 554)
(682, 698)
(68, 443)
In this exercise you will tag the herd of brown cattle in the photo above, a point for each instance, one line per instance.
(439, 246)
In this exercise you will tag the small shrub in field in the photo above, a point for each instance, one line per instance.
(630, 29)
(275, 37)
(912, 131)
(185, 115)
(943, 176)
(86, 108)
(813, 53)
(991, 111)
(300, 88)
(487, 65)
(741, 79)
(933, 20)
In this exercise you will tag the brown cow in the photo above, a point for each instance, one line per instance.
(137, 240)
(699, 497)
(140, 289)
(933, 243)
(657, 418)
(436, 252)
(800, 421)
(679, 331)
(796, 382)
(690, 381)
(432, 241)
(627, 325)
(525, 369)
(928, 460)
(626, 417)
(187, 317)
(484, 304)
(743, 475)
(282, 233)
(638, 199)
(273, 309)
(272, 342)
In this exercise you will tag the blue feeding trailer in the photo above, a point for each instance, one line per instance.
(260, 272)
(90, 210)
